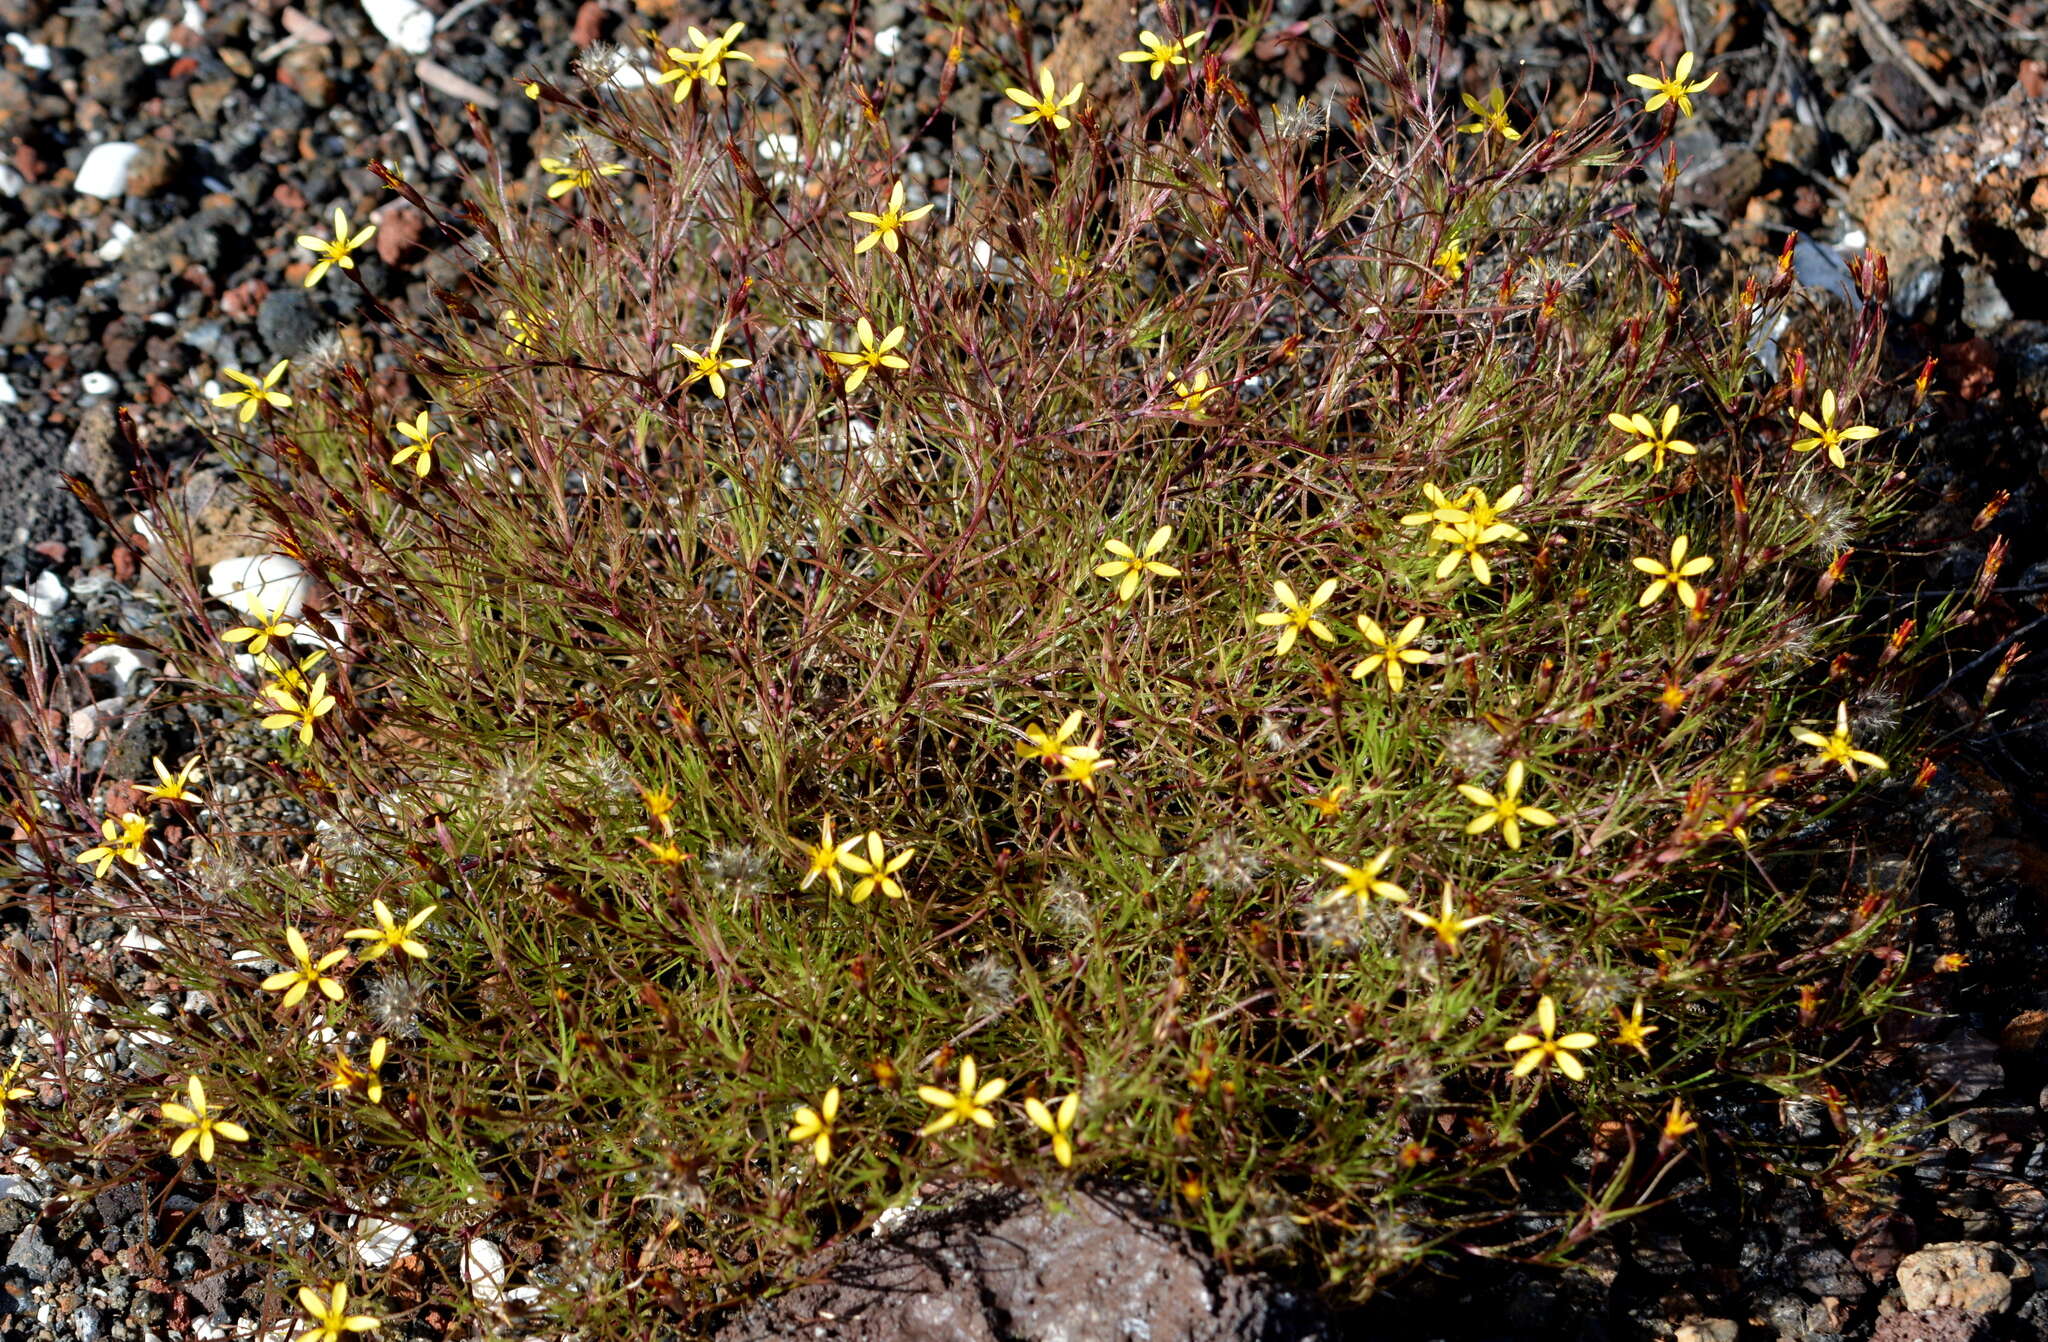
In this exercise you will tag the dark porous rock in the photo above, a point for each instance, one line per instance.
(288, 322)
(1929, 1325)
(1001, 1265)
(1901, 95)
(35, 507)
(116, 80)
(32, 1256)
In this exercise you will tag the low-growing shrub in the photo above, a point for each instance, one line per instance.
(1260, 651)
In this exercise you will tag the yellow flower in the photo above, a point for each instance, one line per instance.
(526, 328)
(889, 222)
(330, 1316)
(1393, 652)
(1827, 435)
(826, 858)
(1678, 1122)
(1657, 439)
(1450, 259)
(335, 253)
(1446, 923)
(296, 711)
(876, 870)
(1673, 575)
(1046, 106)
(815, 1125)
(1057, 1124)
(267, 624)
(666, 854)
(1298, 615)
(1363, 883)
(1192, 394)
(255, 394)
(1329, 804)
(1051, 747)
(1629, 1030)
(1492, 116)
(531, 88)
(1547, 1047)
(1837, 748)
(1160, 54)
(1505, 810)
(574, 176)
(872, 354)
(121, 840)
(201, 1124)
(174, 786)
(705, 63)
(710, 365)
(969, 1104)
(1736, 800)
(1674, 89)
(344, 1075)
(1081, 765)
(389, 934)
(295, 677)
(1467, 523)
(1134, 566)
(419, 443)
(9, 1092)
(309, 974)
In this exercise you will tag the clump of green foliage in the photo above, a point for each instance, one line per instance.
(786, 743)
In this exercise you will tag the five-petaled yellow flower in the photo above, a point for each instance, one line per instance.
(1450, 259)
(420, 438)
(706, 63)
(889, 222)
(1134, 566)
(1837, 748)
(872, 354)
(1057, 1124)
(1081, 765)
(1392, 653)
(1827, 435)
(1631, 1032)
(330, 1317)
(1506, 809)
(174, 786)
(1298, 614)
(1160, 54)
(815, 1125)
(296, 711)
(1362, 884)
(574, 176)
(1330, 804)
(1492, 116)
(968, 1104)
(1656, 438)
(525, 328)
(1673, 575)
(119, 840)
(254, 395)
(336, 252)
(1191, 395)
(1446, 923)
(1677, 1123)
(201, 1124)
(266, 625)
(1466, 524)
(1673, 89)
(1547, 1046)
(1047, 105)
(877, 870)
(308, 972)
(389, 934)
(1053, 746)
(344, 1075)
(709, 364)
(825, 858)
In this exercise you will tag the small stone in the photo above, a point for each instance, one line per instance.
(1792, 142)
(288, 322)
(405, 24)
(208, 96)
(104, 174)
(1968, 1275)
(399, 231)
(1901, 95)
(1929, 1325)
(305, 71)
(154, 168)
(1709, 1330)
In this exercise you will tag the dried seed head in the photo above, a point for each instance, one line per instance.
(1874, 715)
(1597, 989)
(990, 984)
(1472, 749)
(397, 1005)
(1826, 518)
(1226, 862)
(734, 874)
(323, 354)
(1067, 910)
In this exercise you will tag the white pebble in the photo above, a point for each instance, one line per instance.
(8, 395)
(157, 29)
(123, 664)
(276, 582)
(45, 596)
(154, 53)
(379, 1242)
(887, 41)
(97, 384)
(105, 171)
(10, 181)
(117, 242)
(406, 24)
(34, 55)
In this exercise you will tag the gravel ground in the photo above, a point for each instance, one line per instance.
(157, 158)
